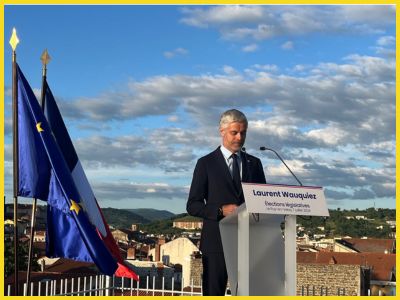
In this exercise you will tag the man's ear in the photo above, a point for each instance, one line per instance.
(222, 131)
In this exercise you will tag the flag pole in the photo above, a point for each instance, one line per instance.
(45, 58)
(28, 272)
(14, 42)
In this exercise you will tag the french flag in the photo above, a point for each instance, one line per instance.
(89, 201)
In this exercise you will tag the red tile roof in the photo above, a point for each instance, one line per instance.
(371, 245)
(64, 266)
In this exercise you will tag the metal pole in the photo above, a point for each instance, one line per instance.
(33, 219)
(15, 246)
(45, 59)
(14, 42)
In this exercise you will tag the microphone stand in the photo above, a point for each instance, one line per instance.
(256, 217)
(276, 153)
(290, 241)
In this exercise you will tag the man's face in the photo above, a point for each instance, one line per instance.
(233, 136)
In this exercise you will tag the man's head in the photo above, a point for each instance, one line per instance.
(233, 128)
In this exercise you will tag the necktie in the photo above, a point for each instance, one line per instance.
(236, 173)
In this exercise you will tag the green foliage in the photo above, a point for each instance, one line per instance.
(152, 214)
(164, 226)
(338, 225)
(23, 250)
(121, 218)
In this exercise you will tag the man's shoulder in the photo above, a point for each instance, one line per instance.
(210, 156)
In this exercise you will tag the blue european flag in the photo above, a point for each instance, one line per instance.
(33, 163)
(69, 230)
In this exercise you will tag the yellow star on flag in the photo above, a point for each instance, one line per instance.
(75, 206)
(39, 127)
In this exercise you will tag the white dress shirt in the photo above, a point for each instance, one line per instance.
(229, 160)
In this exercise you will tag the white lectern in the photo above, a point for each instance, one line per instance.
(260, 260)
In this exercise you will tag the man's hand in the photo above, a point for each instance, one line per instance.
(227, 209)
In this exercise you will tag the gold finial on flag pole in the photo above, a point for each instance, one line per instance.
(14, 40)
(45, 58)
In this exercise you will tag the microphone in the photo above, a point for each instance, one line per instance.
(276, 153)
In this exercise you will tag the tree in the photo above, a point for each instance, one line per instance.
(23, 251)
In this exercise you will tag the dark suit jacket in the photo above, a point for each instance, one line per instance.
(212, 186)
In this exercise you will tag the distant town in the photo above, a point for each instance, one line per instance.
(353, 252)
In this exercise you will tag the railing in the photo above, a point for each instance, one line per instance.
(129, 287)
(101, 285)
(312, 290)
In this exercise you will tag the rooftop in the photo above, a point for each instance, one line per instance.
(189, 219)
(382, 265)
(369, 245)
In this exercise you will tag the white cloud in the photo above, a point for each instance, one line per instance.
(300, 68)
(7, 91)
(264, 22)
(229, 70)
(133, 151)
(175, 52)
(301, 21)
(328, 135)
(250, 48)
(373, 14)
(386, 47)
(136, 190)
(7, 126)
(390, 53)
(360, 88)
(267, 68)
(386, 41)
(223, 14)
(173, 118)
(169, 54)
(287, 45)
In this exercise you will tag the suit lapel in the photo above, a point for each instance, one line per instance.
(245, 168)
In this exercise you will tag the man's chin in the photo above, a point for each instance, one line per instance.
(237, 148)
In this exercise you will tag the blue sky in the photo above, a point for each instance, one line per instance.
(141, 89)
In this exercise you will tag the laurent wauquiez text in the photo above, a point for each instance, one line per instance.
(285, 194)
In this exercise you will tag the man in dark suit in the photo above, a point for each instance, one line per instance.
(216, 192)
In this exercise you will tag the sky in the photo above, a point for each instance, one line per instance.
(141, 90)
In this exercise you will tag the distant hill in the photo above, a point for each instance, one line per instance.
(152, 214)
(164, 226)
(122, 218)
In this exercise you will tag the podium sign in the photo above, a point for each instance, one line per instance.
(285, 199)
(259, 261)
